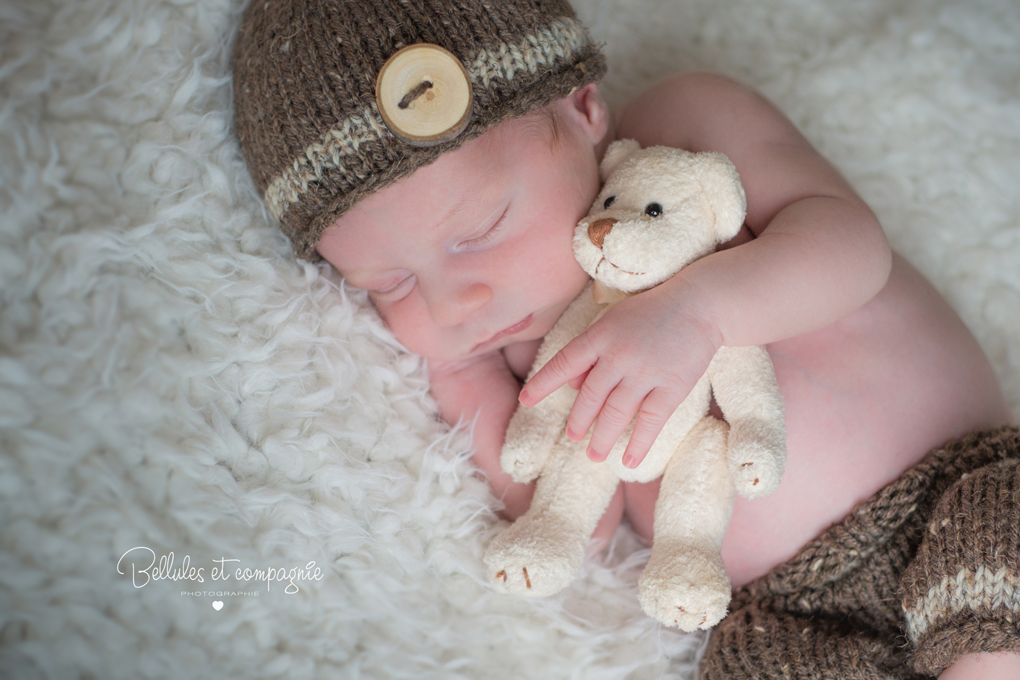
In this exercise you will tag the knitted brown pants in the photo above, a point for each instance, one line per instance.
(921, 573)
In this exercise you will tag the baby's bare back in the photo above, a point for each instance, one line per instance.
(865, 399)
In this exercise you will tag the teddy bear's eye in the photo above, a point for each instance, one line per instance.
(653, 209)
(609, 201)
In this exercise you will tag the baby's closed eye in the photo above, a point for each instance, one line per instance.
(392, 290)
(490, 234)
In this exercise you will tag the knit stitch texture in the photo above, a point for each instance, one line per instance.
(937, 547)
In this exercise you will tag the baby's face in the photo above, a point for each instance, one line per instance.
(473, 252)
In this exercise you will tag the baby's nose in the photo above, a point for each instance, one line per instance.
(452, 307)
(598, 229)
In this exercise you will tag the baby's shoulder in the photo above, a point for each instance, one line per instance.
(709, 112)
(702, 111)
(520, 356)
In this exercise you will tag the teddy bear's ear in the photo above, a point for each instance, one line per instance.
(616, 153)
(722, 186)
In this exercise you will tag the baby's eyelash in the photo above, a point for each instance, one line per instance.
(487, 236)
(394, 288)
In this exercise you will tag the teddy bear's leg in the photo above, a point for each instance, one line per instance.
(744, 384)
(685, 583)
(541, 553)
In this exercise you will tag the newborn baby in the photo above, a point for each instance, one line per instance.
(467, 257)
(469, 262)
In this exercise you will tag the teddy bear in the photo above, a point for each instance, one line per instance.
(659, 209)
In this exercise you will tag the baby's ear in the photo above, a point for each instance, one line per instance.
(719, 179)
(616, 153)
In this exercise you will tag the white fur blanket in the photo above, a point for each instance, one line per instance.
(172, 380)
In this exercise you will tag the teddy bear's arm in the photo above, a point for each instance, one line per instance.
(744, 384)
(533, 431)
(532, 434)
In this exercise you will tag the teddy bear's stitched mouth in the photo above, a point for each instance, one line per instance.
(615, 267)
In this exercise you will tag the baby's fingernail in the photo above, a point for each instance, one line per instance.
(571, 434)
(630, 461)
(524, 397)
(594, 455)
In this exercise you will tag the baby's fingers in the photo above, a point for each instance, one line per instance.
(577, 381)
(573, 361)
(613, 419)
(598, 384)
(655, 411)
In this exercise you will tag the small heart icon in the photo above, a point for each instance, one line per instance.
(217, 605)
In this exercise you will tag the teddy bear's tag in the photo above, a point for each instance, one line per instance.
(604, 295)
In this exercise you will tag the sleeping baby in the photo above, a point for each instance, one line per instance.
(439, 156)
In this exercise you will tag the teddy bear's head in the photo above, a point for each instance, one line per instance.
(660, 209)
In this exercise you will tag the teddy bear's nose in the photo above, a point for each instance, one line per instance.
(598, 229)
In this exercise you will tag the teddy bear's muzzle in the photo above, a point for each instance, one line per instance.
(598, 230)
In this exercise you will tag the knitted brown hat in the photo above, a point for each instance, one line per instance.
(305, 103)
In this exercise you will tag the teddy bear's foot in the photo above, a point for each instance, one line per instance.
(756, 464)
(688, 590)
(532, 562)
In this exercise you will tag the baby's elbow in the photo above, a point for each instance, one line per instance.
(875, 254)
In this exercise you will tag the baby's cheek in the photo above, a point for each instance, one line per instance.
(566, 276)
(400, 322)
(412, 325)
(552, 268)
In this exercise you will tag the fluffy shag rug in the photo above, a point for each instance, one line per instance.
(175, 386)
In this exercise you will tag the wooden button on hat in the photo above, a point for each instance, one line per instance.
(424, 94)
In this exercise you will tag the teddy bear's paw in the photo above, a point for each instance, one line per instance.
(529, 577)
(524, 458)
(525, 566)
(756, 467)
(522, 468)
(689, 591)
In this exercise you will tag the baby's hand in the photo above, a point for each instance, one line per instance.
(641, 358)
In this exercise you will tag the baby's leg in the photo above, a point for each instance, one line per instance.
(608, 523)
(639, 507)
(840, 607)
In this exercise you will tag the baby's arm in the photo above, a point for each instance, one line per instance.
(819, 254)
(484, 387)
